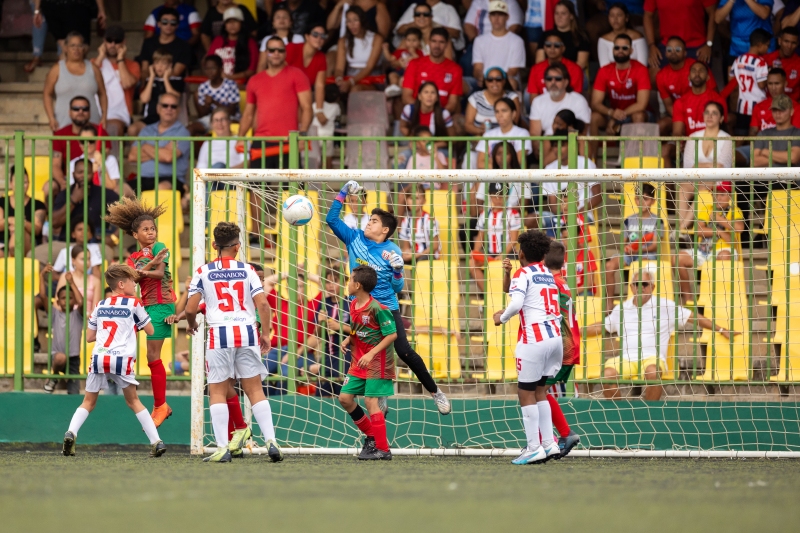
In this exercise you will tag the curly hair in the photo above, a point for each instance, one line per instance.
(129, 214)
(534, 244)
(226, 234)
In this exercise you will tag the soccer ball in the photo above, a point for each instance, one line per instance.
(298, 210)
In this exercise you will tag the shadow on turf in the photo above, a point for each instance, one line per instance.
(172, 449)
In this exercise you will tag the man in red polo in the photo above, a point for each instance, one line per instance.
(445, 73)
(687, 112)
(554, 53)
(785, 58)
(762, 112)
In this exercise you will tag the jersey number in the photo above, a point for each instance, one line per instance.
(746, 82)
(226, 298)
(550, 297)
(112, 327)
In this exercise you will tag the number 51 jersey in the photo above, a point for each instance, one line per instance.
(540, 314)
(228, 287)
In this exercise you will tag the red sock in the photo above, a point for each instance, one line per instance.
(379, 431)
(158, 377)
(559, 421)
(235, 418)
(365, 425)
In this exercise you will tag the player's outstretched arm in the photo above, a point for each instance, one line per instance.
(191, 312)
(514, 306)
(397, 264)
(333, 219)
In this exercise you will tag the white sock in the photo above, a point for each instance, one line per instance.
(148, 426)
(78, 419)
(530, 419)
(263, 415)
(219, 419)
(545, 422)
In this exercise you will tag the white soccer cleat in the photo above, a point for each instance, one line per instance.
(531, 456)
(552, 451)
(442, 403)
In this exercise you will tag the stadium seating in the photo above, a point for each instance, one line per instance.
(787, 337)
(39, 169)
(306, 245)
(443, 206)
(17, 321)
(141, 359)
(170, 226)
(500, 340)
(588, 311)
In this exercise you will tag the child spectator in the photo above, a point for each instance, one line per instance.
(62, 357)
(499, 227)
(357, 217)
(160, 81)
(750, 71)
(642, 233)
(719, 228)
(585, 262)
(423, 241)
(237, 49)
(427, 157)
(77, 237)
(325, 119)
(410, 48)
(109, 167)
(89, 286)
(216, 92)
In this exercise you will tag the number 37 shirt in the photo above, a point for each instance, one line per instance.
(228, 287)
(534, 295)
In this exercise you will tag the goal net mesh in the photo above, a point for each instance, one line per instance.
(686, 388)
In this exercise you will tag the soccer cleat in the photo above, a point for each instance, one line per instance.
(552, 451)
(376, 455)
(157, 449)
(240, 436)
(68, 448)
(369, 447)
(383, 405)
(442, 403)
(274, 451)
(161, 413)
(567, 443)
(531, 456)
(50, 386)
(222, 455)
(237, 454)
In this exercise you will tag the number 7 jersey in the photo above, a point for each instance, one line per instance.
(116, 320)
(540, 316)
(228, 287)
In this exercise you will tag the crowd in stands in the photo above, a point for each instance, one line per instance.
(496, 70)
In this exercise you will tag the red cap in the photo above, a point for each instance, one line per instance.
(724, 186)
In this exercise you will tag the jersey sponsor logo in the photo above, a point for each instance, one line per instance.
(542, 279)
(114, 312)
(374, 266)
(617, 96)
(106, 351)
(228, 318)
(216, 275)
(694, 124)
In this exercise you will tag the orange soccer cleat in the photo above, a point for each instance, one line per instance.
(161, 413)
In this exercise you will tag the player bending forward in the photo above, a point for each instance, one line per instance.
(232, 291)
(534, 295)
(112, 327)
(372, 367)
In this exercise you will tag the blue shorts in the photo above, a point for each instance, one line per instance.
(630, 259)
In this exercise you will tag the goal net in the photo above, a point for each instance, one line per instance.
(689, 323)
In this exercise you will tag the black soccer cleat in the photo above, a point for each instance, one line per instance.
(274, 451)
(369, 447)
(376, 455)
(68, 449)
(157, 449)
(567, 443)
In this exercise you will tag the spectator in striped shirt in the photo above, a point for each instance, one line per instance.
(419, 232)
(499, 228)
(750, 72)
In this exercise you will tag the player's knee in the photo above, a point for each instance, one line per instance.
(724, 256)
(60, 359)
(346, 401)
(609, 373)
(651, 372)
(613, 263)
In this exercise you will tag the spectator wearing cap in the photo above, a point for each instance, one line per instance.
(786, 58)
(626, 86)
(498, 47)
(684, 18)
(444, 15)
(565, 25)
(746, 16)
(476, 21)
(278, 101)
(166, 41)
(554, 53)
(188, 21)
(435, 67)
(479, 115)
(120, 76)
(619, 21)
(237, 49)
(213, 22)
(768, 153)
(762, 118)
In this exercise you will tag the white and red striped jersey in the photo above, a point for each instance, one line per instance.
(228, 287)
(534, 295)
(749, 70)
(425, 229)
(116, 320)
(498, 225)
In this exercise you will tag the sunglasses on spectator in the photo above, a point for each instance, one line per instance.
(169, 22)
(78, 108)
(553, 45)
(114, 41)
(169, 106)
(276, 50)
(498, 79)
(318, 35)
(676, 49)
(640, 284)
(623, 48)
(422, 14)
(554, 78)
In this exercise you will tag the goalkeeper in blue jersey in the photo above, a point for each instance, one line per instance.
(373, 248)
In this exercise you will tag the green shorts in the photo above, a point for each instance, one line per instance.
(372, 388)
(158, 312)
(562, 376)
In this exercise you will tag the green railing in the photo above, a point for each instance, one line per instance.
(372, 152)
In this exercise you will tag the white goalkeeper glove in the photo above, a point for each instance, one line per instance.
(351, 187)
(397, 263)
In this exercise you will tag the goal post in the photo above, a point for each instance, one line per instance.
(719, 398)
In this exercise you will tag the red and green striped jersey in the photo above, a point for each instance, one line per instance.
(370, 324)
(569, 323)
(154, 291)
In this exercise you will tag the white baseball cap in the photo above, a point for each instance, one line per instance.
(498, 6)
(233, 12)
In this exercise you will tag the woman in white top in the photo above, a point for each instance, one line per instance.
(358, 53)
(219, 153)
(705, 153)
(282, 26)
(618, 19)
(480, 104)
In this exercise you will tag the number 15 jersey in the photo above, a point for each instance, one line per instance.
(228, 287)
(540, 315)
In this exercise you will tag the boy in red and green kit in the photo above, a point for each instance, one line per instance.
(372, 369)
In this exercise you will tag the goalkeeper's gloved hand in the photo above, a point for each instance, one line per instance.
(351, 187)
(397, 263)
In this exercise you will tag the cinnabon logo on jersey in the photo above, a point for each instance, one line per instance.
(114, 312)
(223, 275)
(542, 278)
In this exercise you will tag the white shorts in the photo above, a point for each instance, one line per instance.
(97, 382)
(244, 362)
(536, 361)
(701, 258)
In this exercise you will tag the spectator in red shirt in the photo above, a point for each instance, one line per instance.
(358, 52)
(687, 111)
(308, 58)
(278, 95)
(238, 50)
(445, 73)
(684, 18)
(305, 326)
(762, 112)
(625, 85)
(554, 53)
(785, 58)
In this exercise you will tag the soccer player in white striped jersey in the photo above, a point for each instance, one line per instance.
(232, 292)
(534, 297)
(112, 327)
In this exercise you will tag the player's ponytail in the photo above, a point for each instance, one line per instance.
(128, 214)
